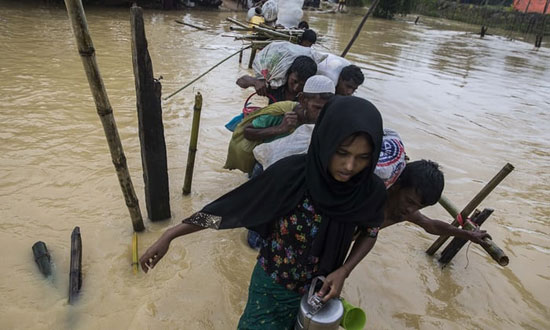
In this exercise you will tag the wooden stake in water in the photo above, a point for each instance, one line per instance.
(472, 204)
(151, 128)
(104, 110)
(135, 263)
(193, 144)
(75, 271)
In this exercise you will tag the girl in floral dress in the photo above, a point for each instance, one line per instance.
(307, 208)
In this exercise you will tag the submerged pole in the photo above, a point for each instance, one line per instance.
(42, 258)
(193, 144)
(104, 109)
(151, 128)
(75, 272)
(484, 192)
(356, 34)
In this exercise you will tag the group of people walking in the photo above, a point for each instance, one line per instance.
(324, 195)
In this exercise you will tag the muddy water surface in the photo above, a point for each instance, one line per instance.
(470, 104)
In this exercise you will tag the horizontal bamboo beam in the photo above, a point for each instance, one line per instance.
(483, 193)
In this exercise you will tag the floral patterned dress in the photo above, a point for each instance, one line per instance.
(285, 254)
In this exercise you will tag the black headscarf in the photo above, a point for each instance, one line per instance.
(343, 205)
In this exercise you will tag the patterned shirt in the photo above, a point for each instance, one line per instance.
(285, 254)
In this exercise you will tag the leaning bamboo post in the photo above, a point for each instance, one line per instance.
(193, 144)
(472, 205)
(451, 250)
(75, 272)
(492, 249)
(204, 73)
(103, 106)
(356, 34)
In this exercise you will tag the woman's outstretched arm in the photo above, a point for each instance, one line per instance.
(154, 253)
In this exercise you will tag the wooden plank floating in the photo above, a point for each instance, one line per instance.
(484, 192)
(42, 258)
(75, 272)
(151, 128)
(104, 110)
(193, 144)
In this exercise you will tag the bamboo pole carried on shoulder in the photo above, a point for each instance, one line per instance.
(484, 192)
(103, 106)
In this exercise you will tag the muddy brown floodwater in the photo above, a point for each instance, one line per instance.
(470, 104)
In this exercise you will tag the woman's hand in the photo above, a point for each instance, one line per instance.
(153, 254)
(334, 282)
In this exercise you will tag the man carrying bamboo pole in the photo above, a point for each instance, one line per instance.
(275, 121)
(299, 72)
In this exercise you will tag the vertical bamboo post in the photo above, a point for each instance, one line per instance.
(103, 106)
(193, 144)
(356, 34)
(472, 204)
(135, 263)
(75, 272)
(151, 128)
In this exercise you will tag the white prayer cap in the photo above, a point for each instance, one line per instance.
(319, 84)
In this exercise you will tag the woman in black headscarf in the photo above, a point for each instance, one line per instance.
(307, 208)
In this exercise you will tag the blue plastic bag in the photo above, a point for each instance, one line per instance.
(232, 124)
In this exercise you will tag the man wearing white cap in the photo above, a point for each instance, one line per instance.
(277, 120)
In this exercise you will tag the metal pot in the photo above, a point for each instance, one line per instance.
(315, 315)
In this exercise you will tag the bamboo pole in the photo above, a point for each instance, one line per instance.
(456, 244)
(273, 33)
(484, 192)
(193, 144)
(75, 272)
(232, 20)
(42, 258)
(104, 110)
(135, 258)
(356, 34)
(189, 24)
(206, 72)
(489, 246)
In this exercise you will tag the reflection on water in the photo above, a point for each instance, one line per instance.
(471, 104)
